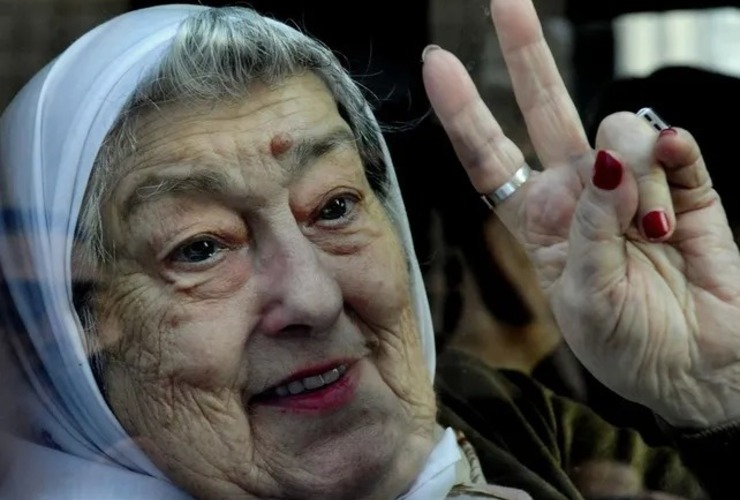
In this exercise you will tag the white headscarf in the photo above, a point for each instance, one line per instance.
(66, 442)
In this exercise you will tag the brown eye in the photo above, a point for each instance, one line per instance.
(197, 251)
(337, 208)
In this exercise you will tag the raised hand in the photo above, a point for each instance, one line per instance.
(631, 243)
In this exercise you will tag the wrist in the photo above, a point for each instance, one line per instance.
(702, 413)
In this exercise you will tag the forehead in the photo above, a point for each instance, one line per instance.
(267, 120)
(277, 130)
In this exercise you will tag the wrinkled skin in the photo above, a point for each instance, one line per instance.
(221, 290)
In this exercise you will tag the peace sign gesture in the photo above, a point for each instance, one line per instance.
(630, 241)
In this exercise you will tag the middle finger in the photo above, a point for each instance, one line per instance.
(552, 119)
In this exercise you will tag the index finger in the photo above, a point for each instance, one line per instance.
(552, 119)
(489, 157)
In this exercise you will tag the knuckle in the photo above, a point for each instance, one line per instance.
(653, 183)
(590, 220)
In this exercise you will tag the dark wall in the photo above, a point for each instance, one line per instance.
(380, 43)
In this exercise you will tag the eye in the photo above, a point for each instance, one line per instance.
(196, 251)
(337, 208)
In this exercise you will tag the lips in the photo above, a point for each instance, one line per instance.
(311, 383)
(318, 388)
(306, 380)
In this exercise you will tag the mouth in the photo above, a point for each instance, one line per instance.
(315, 389)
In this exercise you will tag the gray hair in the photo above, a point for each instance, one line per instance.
(217, 54)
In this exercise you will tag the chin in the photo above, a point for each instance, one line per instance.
(370, 461)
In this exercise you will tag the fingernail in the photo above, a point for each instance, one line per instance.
(655, 224)
(607, 171)
(668, 131)
(427, 50)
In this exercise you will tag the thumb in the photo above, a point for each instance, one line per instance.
(604, 213)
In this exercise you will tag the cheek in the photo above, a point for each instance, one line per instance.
(194, 336)
(220, 282)
(375, 283)
(174, 379)
(206, 342)
(378, 292)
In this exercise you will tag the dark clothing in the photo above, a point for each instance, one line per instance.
(526, 437)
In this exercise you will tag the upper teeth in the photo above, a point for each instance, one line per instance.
(311, 383)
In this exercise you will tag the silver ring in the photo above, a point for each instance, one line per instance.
(653, 119)
(503, 192)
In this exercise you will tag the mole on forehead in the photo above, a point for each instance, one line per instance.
(279, 144)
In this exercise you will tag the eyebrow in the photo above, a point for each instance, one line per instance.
(309, 149)
(205, 181)
(161, 185)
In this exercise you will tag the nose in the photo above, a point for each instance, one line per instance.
(301, 294)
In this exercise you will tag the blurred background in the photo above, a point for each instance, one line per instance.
(681, 57)
(594, 42)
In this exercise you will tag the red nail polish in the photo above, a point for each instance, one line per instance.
(607, 171)
(668, 131)
(655, 224)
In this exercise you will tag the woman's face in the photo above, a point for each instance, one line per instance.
(260, 339)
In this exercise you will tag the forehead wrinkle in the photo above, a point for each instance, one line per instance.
(187, 136)
(158, 185)
(166, 151)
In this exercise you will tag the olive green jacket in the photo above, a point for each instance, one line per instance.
(528, 438)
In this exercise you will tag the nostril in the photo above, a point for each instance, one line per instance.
(296, 330)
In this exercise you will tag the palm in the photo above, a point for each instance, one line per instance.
(546, 215)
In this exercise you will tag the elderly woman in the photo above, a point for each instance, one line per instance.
(209, 288)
